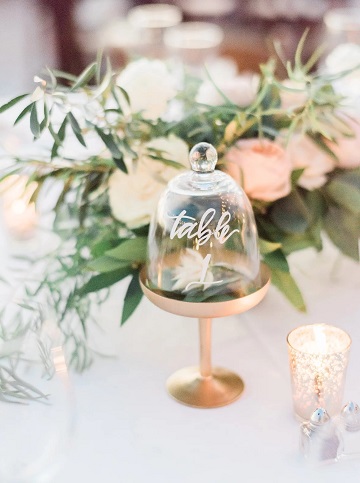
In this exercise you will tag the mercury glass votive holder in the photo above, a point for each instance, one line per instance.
(318, 360)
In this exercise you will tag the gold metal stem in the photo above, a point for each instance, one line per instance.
(205, 347)
(208, 387)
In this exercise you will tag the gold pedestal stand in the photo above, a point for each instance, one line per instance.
(204, 386)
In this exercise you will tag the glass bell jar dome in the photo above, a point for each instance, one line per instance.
(203, 243)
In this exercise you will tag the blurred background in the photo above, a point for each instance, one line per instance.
(66, 34)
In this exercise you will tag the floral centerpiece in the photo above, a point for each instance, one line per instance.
(119, 137)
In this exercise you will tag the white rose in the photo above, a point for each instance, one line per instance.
(304, 153)
(149, 86)
(221, 68)
(133, 197)
(240, 90)
(346, 57)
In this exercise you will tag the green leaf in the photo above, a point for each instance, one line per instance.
(268, 230)
(74, 124)
(299, 50)
(11, 103)
(277, 260)
(343, 228)
(133, 250)
(315, 234)
(167, 162)
(116, 98)
(104, 280)
(340, 124)
(52, 78)
(270, 131)
(290, 214)
(296, 175)
(106, 264)
(64, 75)
(54, 134)
(61, 132)
(345, 191)
(34, 123)
(132, 299)
(125, 94)
(54, 150)
(295, 242)
(103, 245)
(312, 236)
(99, 58)
(85, 76)
(141, 231)
(315, 203)
(289, 69)
(58, 137)
(127, 147)
(267, 246)
(44, 122)
(110, 143)
(216, 292)
(76, 128)
(36, 193)
(106, 81)
(315, 56)
(287, 285)
(121, 165)
(23, 113)
(319, 141)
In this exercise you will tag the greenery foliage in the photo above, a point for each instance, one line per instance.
(97, 250)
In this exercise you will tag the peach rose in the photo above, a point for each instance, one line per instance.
(262, 167)
(347, 149)
(304, 153)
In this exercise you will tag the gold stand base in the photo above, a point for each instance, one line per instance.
(204, 386)
(189, 387)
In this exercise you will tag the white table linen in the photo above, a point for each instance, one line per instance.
(129, 429)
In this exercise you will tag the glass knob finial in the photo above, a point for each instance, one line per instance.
(203, 158)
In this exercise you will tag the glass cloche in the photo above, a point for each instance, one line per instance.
(203, 243)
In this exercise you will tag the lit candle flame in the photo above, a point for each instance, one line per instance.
(320, 339)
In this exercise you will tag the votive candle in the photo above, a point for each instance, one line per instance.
(19, 212)
(318, 360)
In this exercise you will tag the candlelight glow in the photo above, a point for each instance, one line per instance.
(19, 212)
(320, 339)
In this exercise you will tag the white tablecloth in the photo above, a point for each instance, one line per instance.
(130, 431)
